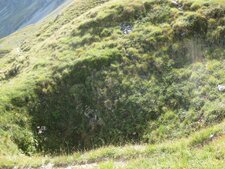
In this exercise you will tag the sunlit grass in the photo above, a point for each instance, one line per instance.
(68, 41)
(181, 153)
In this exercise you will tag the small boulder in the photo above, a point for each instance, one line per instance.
(126, 28)
(174, 2)
(221, 88)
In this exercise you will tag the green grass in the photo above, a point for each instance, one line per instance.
(92, 85)
(203, 2)
(183, 153)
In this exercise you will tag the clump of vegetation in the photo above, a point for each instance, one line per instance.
(4, 52)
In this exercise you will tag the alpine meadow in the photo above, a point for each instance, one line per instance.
(111, 84)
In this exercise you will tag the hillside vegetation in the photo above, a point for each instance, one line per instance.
(198, 151)
(112, 72)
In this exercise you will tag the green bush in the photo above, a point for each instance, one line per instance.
(191, 24)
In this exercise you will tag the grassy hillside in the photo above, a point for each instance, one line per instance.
(112, 72)
(201, 150)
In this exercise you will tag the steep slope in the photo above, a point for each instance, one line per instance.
(114, 72)
(16, 14)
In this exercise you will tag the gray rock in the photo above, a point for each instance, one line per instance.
(221, 88)
(126, 28)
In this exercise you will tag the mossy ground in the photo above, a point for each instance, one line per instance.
(115, 73)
